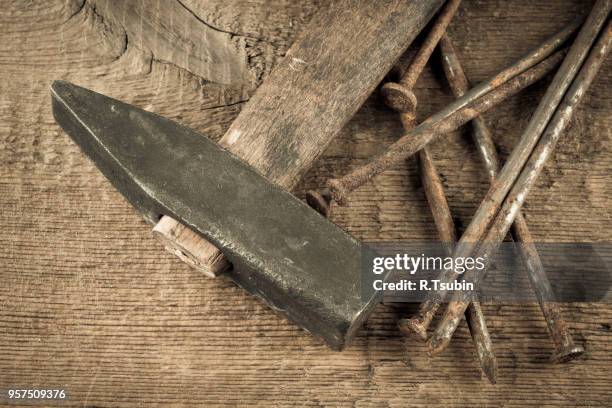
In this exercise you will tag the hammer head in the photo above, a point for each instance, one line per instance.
(281, 250)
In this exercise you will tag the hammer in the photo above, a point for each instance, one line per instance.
(280, 250)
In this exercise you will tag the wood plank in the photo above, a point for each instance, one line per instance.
(91, 303)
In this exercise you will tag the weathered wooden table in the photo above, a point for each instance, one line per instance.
(89, 302)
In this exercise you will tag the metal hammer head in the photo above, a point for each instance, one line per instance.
(281, 250)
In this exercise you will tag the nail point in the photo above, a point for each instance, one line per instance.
(567, 354)
(412, 326)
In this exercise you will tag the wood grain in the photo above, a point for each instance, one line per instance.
(89, 301)
(171, 32)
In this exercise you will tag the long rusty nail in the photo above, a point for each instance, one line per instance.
(504, 218)
(418, 138)
(446, 230)
(434, 190)
(400, 96)
(396, 95)
(565, 348)
(485, 213)
(420, 322)
(438, 204)
(529, 60)
(539, 120)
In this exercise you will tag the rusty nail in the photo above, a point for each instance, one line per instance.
(503, 219)
(434, 190)
(529, 60)
(415, 140)
(400, 96)
(565, 349)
